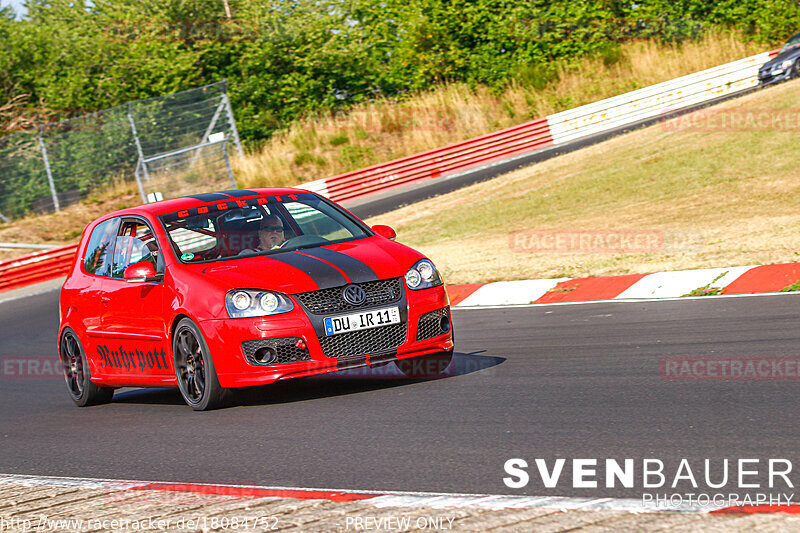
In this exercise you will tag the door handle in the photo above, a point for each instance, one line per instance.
(105, 299)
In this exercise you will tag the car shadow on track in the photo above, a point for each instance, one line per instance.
(351, 381)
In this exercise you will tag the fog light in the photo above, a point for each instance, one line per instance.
(444, 324)
(266, 355)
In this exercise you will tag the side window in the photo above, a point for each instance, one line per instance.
(135, 242)
(98, 251)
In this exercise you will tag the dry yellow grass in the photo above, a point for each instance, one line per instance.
(720, 198)
(388, 129)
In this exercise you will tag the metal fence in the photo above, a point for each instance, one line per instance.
(45, 170)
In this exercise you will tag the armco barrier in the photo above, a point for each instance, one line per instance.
(35, 268)
(435, 163)
(554, 130)
(656, 100)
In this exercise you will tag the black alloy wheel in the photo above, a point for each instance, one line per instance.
(77, 374)
(194, 369)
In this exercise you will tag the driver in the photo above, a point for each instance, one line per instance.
(270, 235)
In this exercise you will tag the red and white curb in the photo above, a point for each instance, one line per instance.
(741, 280)
(383, 499)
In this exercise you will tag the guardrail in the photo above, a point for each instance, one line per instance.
(37, 267)
(435, 163)
(558, 129)
(554, 130)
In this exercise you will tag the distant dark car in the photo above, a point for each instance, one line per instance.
(785, 66)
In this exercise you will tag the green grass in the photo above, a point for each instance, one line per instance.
(707, 290)
(791, 288)
(720, 198)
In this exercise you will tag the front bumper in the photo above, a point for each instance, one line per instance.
(225, 339)
(767, 78)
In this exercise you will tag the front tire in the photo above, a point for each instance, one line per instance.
(194, 369)
(425, 366)
(795, 70)
(77, 374)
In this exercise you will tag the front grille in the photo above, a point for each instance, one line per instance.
(366, 341)
(327, 301)
(284, 349)
(430, 324)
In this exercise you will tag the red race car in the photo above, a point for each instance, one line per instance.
(241, 288)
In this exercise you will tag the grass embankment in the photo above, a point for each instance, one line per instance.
(719, 198)
(388, 129)
(383, 130)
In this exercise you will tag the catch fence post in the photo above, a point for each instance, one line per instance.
(49, 172)
(231, 120)
(136, 140)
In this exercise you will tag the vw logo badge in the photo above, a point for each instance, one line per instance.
(354, 295)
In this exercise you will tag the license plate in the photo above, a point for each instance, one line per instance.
(363, 320)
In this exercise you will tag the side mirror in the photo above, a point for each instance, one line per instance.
(384, 231)
(141, 271)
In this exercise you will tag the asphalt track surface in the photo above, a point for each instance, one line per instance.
(577, 381)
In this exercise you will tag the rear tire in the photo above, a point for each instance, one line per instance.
(77, 374)
(425, 366)
(194, 369)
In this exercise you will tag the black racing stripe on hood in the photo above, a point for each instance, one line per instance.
(324, 275)
(357, 271)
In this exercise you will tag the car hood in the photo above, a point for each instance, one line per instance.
(793, 53)
(311, 269)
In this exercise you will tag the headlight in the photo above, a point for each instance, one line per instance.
(783, 66)
(423, 275)
(269, 302)
(242, 303)
(241, 300)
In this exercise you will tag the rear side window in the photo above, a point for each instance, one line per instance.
(98, 252)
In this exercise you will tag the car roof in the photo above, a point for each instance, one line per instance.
(201, 199)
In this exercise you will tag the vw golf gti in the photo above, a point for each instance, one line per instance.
(243, 288)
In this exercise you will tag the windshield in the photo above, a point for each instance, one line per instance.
(258, 226)
(793, 43)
